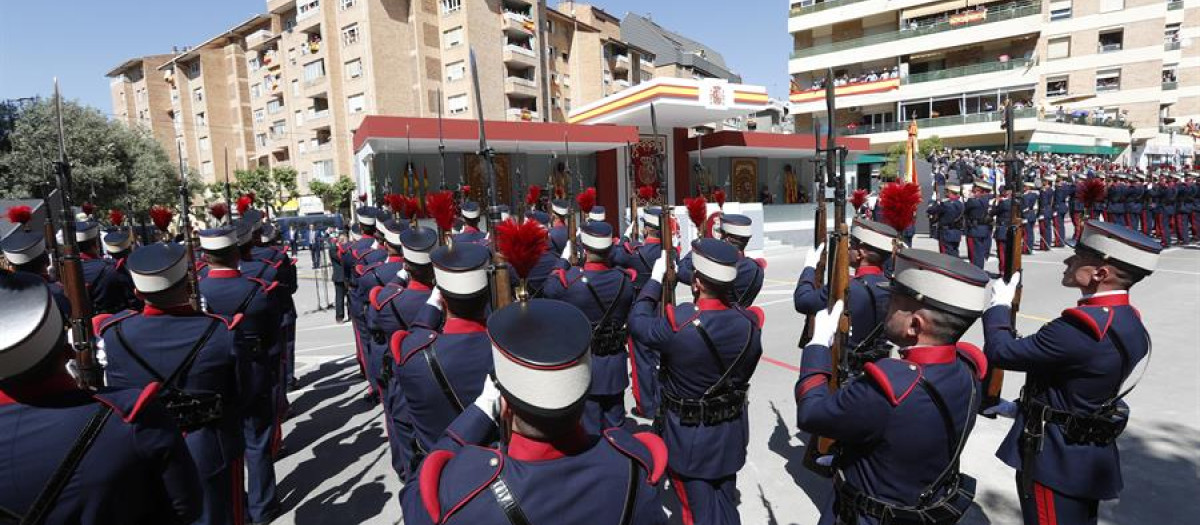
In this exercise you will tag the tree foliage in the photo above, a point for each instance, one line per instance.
(891, 169)
(335, 197)
(113, 165)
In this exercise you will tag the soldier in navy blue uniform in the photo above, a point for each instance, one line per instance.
(871, 245)
(546, 468)
(1135, 194)
(469, 231)
(25, 250)
(118, 244)
(1029, 213)
(354, 252)
(204, 370)
(1078, 208)
(604, 294)
(949, 216)
(641, 258)
(109, 292)
(394, 307)
(736, 230)
(226, 292)
(1114, 208)
(1183, 210)
(1063, 191)
(1045, 209)
(559, 235)
(375, 275)
(979, 223)
(440, 367)
(1169, 211)
(1001, 213)
(710, 349)
(136, 470)
(268, 248)
(597, 214)
(1063, 439)
(1158, 192)
(1193, 218)
(900, 427)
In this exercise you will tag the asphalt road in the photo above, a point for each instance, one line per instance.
(338, 470)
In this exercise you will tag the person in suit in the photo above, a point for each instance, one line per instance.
(316, 244)
(338, 276)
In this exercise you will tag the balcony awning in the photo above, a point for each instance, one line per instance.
(678, 103)
(1073, 149)
(385, 134)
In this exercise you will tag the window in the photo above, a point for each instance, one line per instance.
(354, 68)
(1170, 74)
(299, 117)
(295, 88)
(292, 56)
(1108, 80)
(1060, 13)
(198, 94)
(452, 37)
(350, 35)
(1056, 86)
(307, 9)
(456, 71)
(314, 70)
(274, 105)
(203, 143)
(456, 104)
(549, 26)
(260, 115)
(1058, 48)
(450, 6)
(1111, 5)
(278, 129)
(346, 4)
(323, 170)
(206, 168)
(302, 146)
(1112, 40)
(356, 103)
(567, 105)
(1171, 37)
(201, 120)
(254, 63)
(255, 91)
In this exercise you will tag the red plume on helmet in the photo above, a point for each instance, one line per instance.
(116, 217)
(586, 200)
(395, 201)
(697, 210)
(898, 204)
(219, 211)
(440, 205)
(647, 192)
(20, 214)
(244, 203)
(412, 207)
(858, 199)
(87, 208)
(362, 197)
(161, 216)
(719, 196)
(1090, 192)
(522, 244)
(533, 195)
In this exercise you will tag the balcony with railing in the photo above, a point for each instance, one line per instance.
(519, 56)
(621, 63)
(516, 24)
(520, 87)
(521, 115)
(994, 14)
(1171, 46)
(818, 6)
(1174, 5)
(955, 120)
(1169, 85)
(968, 70)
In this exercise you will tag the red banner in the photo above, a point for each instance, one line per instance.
(968, 17)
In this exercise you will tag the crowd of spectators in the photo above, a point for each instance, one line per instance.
(867, 76)
(964, 166)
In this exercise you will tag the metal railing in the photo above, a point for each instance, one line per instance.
(799, 10)
(1174, 4)
(1086, 120)
(1168, 86)
(997, 14)
(1171, 46)
(955, 120)
(962, 71)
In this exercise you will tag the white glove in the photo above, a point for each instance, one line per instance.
(435, 298)
(1004, 408)
(825, 461)
(659, 269)
(825, 324)
(814, 256)
(489, 399)
(402, 275)
(1000, 293)
(566, 253)
(629, 230)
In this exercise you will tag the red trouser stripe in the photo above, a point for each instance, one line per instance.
(239, 494)
(685, 508)
(633, 371)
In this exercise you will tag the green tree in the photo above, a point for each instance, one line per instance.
(335, 197)
(113, 165)
(890, 170)
(271, 186)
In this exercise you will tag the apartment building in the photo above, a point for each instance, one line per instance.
(676, 56)
(1116, 77)
(289, 87)
(140, 96)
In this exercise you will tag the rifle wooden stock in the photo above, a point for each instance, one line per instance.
(993, 381)
(668, 251)
(820, 236)
(572, 227)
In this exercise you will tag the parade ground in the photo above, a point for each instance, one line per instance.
(338, 469)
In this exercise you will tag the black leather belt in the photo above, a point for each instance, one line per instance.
(706, 412)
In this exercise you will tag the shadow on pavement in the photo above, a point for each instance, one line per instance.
(762, 496)
(331, 456)
(1160, 467)
(815, 487)
(365, 501)
(331, 379)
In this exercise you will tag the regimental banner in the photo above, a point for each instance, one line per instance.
(862, 88)
(968, 17)
(477, 179)
(645, 164)
(745, 179)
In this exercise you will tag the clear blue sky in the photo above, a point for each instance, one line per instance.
(80, 41)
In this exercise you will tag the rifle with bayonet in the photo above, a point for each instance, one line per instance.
(228, 190)
(441, 146)
(185, 229)
(631, 182)
(820, 227)
(668, 233)
(500, 284)
(70, 266)
(839, 275)
(993, 382)
(572, 209)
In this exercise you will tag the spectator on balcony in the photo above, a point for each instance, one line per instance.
(1060, 114)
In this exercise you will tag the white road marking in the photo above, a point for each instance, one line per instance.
(323, 327)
